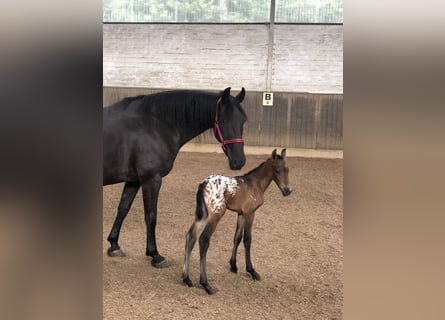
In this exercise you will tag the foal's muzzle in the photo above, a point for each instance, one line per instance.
(286, 191)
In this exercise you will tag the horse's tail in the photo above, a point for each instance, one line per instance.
(201, 207)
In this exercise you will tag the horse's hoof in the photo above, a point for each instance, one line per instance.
(116, 253)
(160, 264)
(233, 268)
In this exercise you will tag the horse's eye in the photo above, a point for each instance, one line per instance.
(277, 171)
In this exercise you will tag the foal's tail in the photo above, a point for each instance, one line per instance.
(201, 207)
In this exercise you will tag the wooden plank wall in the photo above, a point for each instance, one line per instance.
(296, 120)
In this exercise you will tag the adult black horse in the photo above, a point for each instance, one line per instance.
(141, 139)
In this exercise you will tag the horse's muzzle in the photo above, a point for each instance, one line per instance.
(235, 154)
(286, 191)
(236, 164)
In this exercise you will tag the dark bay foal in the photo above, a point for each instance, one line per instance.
(242, 194)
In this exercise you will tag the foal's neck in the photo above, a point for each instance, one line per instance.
(263, 174)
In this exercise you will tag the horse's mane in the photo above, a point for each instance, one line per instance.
(180, 108)
(126, 101)
(179, 105)
(174, 102)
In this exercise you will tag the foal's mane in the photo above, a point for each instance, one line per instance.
(260, 166)
(255, 169)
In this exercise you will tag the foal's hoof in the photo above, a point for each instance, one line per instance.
(160, 263)
(233, 268)
(255, 275)
(188, 282)
(209, 289)
(116, 253)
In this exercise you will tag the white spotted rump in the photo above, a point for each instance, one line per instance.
(215, 191)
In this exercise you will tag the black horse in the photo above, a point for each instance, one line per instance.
(141, 139)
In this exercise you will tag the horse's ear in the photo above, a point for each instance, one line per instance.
(240, 96)
(283, 153)
(274, 154)
(225, 95)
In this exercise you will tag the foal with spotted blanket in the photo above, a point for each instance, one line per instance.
(242, 194)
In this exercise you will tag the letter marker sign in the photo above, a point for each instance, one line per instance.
(267, 99)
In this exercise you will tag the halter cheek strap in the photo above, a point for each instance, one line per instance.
(218, 134)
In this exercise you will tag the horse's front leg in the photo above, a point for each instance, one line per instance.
(247, 241)
(128, 194)
(150, 193)
(236, 241)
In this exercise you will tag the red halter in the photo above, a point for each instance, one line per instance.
(218, 134)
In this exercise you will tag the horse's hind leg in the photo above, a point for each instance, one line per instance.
(236, 241)
(128, 194)
(150, 192)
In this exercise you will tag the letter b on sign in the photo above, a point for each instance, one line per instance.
(267, 99)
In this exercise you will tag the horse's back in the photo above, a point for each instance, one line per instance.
(136, 146)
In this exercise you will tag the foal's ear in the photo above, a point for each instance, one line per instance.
(274, 154)
(240, 96)
(225, 95)
(283, 153)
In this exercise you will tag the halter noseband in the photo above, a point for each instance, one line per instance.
(218, 134)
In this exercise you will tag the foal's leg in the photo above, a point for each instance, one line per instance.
(236, 241)
(128, 194)
(204, 242)
(150, 192)
(247, 240)
(190, 239)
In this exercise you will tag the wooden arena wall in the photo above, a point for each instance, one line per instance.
(296, 120)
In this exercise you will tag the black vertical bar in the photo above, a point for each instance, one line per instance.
(272, 11)
(270, 48)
